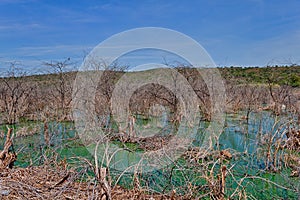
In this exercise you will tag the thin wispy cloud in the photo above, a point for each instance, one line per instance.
(43, 50)
(3, 2)
(20, 27)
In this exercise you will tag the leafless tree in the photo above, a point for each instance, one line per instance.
(280, 92)
(62, 79)
(252, 95)
(15, 93)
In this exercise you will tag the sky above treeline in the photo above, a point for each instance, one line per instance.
(239, 33)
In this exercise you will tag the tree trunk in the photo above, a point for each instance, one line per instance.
(46, 134)
(7, 158)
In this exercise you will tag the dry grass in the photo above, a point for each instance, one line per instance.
(46, 182)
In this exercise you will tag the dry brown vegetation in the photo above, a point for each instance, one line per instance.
(49, 98)
(57, 182)
(46, 97)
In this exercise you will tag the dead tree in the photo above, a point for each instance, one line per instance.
(200, 87)
(62, 84)
(7, 158)
(280, 94)
(15, 94)
(251, 98)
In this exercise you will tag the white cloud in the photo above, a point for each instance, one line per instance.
(20, 27)
(46, 50)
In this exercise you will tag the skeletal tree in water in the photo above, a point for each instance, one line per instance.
(15, 93)
(61, 77)
(62, 85)
(280, 91)
(200, 88)
(109, 74)
(252, 95)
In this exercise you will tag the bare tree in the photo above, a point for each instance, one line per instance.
(252, 95)
(62, 84)
(15, 93)
(280, 96)
(199, 86)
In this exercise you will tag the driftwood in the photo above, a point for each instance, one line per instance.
(7, 158)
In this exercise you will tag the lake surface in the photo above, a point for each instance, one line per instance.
(239, 137)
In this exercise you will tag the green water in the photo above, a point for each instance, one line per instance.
(239, 136)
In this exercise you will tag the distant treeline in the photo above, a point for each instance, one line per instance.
(49, 96)
(281, 75)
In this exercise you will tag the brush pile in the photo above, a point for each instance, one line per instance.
(293, 140)
(48, 182)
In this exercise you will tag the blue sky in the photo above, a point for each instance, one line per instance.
(245, 33)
